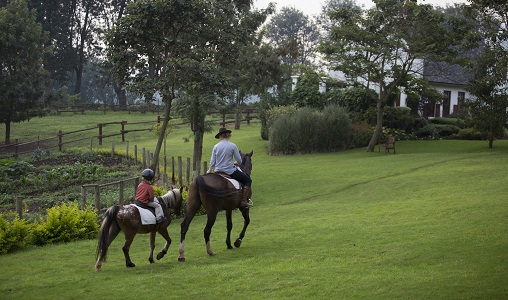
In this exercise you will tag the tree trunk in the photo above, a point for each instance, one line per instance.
(7, 132)
(162, 135)
(120, 94)
(379, 126)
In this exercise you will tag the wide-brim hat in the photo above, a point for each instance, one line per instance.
(222, 131)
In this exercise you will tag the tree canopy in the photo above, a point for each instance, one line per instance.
(23, 79)
(384, 46)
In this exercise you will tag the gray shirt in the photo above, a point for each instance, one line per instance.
(223, 154)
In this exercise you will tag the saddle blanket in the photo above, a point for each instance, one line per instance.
(147, 217)
(234, 182)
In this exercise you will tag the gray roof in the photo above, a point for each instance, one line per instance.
(445, 73)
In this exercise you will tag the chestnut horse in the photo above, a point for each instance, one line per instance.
(215, 193)
(126, 218)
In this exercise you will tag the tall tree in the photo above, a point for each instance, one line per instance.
(386, 45)
(489, 85)
(178, 46)
(489, 107)
(72, 27)
(22, 76)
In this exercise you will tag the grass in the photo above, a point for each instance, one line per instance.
(427, 223)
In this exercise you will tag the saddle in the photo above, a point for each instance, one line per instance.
(235, 182)
(142, 205)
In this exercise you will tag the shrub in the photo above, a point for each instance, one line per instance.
(13, 235)
(283, 136)
(469, 134)
(448, 121)
(362, 133)
(336, 131)
(306, 122)
(434, 131)
(66, 223)
(311, 131)
(428, 131)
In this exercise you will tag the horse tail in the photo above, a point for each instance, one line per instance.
(104, 232)
(220, 190)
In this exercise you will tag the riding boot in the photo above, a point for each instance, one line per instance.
(245, 198)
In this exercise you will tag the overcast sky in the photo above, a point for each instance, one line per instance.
(313, 7)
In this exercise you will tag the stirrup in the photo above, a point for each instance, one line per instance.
(250, 203)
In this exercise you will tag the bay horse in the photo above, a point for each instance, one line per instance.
(215, 193)
(126, 218)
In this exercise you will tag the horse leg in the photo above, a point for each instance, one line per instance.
(229, 225)
(152, 247)
(193, 205)
(126, 246)
(246, 221)
(208, 230)
(164, 232)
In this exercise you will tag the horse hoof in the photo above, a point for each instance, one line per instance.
(130, 265)
(211, 253)
(230, 247)
(160, 255)
(151, 260)
(238, 243)
(181, 259)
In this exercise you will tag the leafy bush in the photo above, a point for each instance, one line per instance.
(307, 130)
(13, 235)
(336, 130)
(448, 121)
(311, 131)
(362, 133)
(434, 131)
(66, 223)
(283, 136)
(469, 134)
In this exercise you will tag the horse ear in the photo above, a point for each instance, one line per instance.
(252, 152)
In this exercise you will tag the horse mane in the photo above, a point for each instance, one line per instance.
(220, 186)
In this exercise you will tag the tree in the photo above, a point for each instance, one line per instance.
(23, 79)
(385, 46)
(489, 87)
(72, 27)
(179, 47)
(489, 107)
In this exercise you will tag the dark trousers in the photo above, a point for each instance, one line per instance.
(243, 179)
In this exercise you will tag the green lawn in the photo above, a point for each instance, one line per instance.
(427, 223)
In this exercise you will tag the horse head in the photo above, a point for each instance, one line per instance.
(178, 201)
(174, 199)
(246, 165)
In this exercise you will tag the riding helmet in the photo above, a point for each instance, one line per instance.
(147, 174)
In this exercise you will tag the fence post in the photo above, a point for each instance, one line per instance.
(127, 151)
(205, 167)
(83, 197)
(144, 158)
(97, 197)
(136, 154)
(19, 207)
(120, 193)
(100, 134)
(180, 177)
(173, 180)
(59, 140)
(123, 130)
(187, 170)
